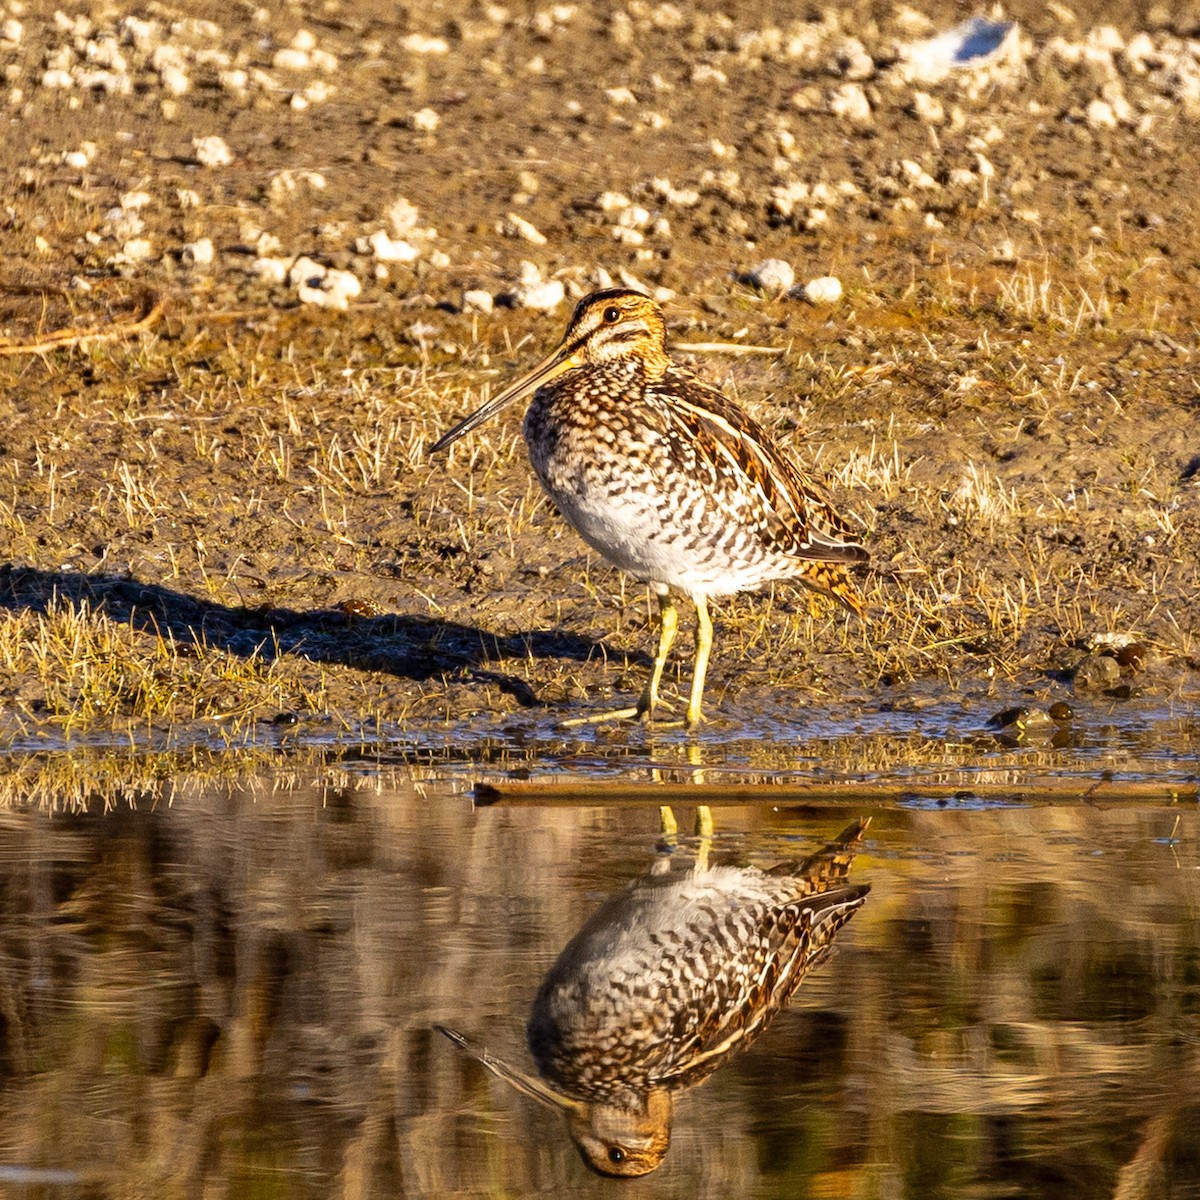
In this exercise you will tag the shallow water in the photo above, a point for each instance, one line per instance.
(231, 992)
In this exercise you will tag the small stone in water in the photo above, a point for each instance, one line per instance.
(1097, 671)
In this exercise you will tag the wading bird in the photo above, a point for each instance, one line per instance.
(667, 478)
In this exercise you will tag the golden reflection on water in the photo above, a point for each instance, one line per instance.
(234, 994)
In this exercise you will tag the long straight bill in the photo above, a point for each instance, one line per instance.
(528, 1085)
(562, 360)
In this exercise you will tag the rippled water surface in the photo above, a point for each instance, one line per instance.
(232, 993)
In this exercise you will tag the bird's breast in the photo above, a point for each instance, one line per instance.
(638, 489)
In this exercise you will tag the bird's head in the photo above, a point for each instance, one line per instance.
(620, 1140)
(617, 325)
(608, 328)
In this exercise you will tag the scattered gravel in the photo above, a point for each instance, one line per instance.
(917, 122)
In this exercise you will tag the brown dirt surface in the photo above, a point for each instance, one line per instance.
(231, 519)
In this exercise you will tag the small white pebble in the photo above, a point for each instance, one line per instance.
(306, 270)
(517, 227)
(669, 194)
(620, 95)
(285, 182)
(542, 296)
(271, 270)
(917, 175)
(322, 60)
(634, 217)
(103, 81)
(291, 59)
(418, 43)
(186, 198)
(174, 80)
(137, 249)
(134, 200)
(706, 75)
(234, 80)
(402, 216)
(424, 120)
(317, 92)
(476, 300)
(56, 77)
(305, 40)
(334, 290)
(138, 32)
(388, 249)
(613, 202)
(200, 252)
(850, 103)
(11, 30)
(825, 289)
(1100, 115)
(773, 275)
(121, 224)
(928, 108)
(212, 151)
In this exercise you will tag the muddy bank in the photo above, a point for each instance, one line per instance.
(357, 221)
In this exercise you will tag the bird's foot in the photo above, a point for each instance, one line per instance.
(643, 711)
(614, 714)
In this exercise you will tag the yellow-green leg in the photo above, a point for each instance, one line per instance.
(704, 640)
(668, 627)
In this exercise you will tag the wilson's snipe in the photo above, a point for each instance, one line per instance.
(667, 478)
(662, 983)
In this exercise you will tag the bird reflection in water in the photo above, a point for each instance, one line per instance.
(664, 982)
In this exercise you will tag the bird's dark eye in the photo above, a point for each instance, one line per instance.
(612, 313)
(615, 1153)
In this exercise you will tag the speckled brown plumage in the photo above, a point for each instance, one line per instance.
(667, 478)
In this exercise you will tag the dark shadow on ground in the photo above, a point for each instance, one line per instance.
(417, 648)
